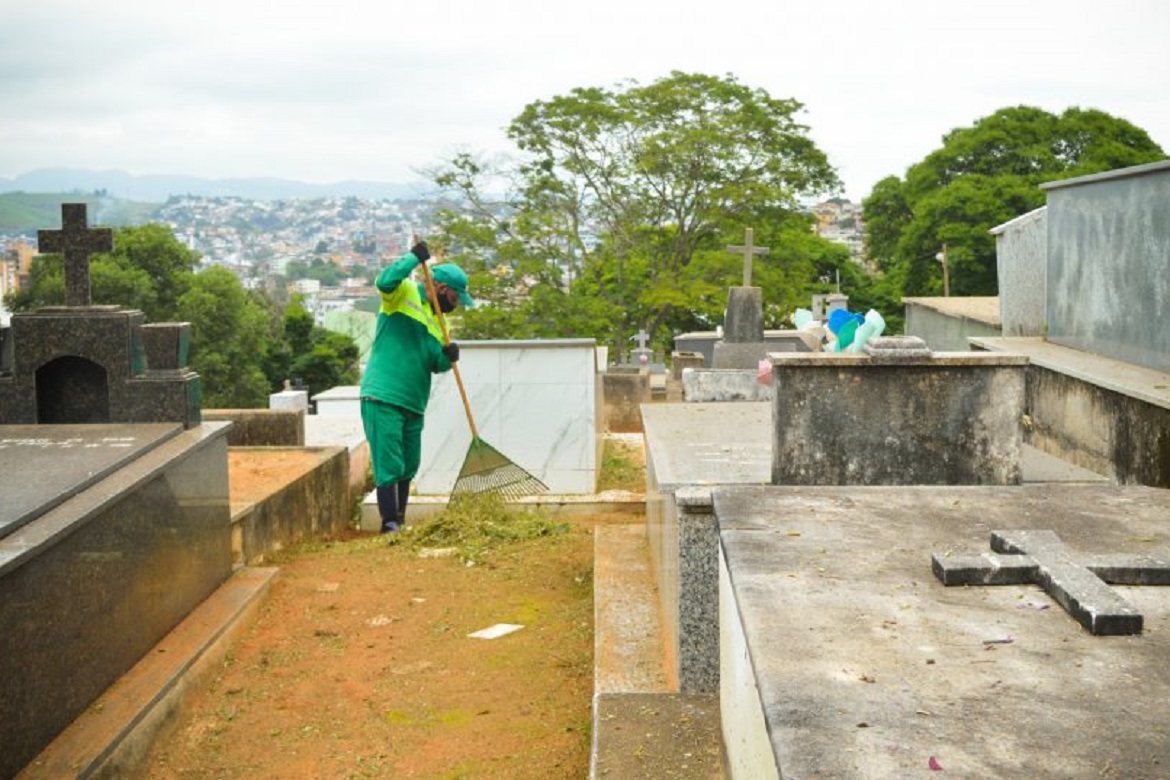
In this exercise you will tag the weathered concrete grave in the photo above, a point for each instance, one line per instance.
(843, 656)
(897, 414)
(1077, 582)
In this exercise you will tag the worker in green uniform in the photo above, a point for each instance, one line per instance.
(396, 385)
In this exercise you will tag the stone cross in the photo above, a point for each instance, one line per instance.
(1077, 582)
(642, 336)
(747, 250)
(76, 241)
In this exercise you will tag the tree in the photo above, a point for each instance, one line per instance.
(628, 197)
(147, 270)
(982, 176)
(319, 358)
(167, 264)
(230, 336)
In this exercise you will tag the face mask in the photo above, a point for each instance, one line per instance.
(445, 305)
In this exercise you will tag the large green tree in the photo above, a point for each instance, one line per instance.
(230, 336)
(618, 209)
(982, 176)
(147, 269)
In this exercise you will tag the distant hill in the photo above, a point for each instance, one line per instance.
(156, 188)
(24, 213)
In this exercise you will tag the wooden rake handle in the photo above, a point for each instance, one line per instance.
(433, 295)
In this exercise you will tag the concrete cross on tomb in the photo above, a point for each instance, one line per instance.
(747, 250)
(1076, 582)
(76, 241)
(642, 337)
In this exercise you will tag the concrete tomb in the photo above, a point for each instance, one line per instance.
(897, 414)
(842, 656)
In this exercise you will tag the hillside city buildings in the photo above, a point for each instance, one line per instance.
(262, 240)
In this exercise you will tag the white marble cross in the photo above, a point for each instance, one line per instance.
(747, 250)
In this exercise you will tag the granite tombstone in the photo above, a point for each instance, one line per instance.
(81, 363)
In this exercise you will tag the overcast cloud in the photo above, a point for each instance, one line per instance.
(377, 90)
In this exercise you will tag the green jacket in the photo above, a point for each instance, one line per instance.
(407, 342)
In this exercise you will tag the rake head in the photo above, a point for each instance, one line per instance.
(485, 470)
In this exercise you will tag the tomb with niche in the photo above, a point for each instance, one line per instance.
(80, 363)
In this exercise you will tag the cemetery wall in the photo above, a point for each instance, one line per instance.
(1097, 428)
(944, 324)
(1108, 239)
(314, 502)
(261, 427)
(1021, 256)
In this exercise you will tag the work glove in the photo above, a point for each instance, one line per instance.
(420, 251)
(451, 351)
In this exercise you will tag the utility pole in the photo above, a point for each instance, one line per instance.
(942, 258)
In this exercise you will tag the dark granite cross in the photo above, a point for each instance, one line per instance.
(1077, 582)
(76, 241)
(747, 250)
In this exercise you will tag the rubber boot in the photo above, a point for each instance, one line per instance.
(403, 497)
(388, 507)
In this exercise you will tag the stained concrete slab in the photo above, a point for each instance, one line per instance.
(844, 657)
(717, 443)
(710, 443)
(642, 726)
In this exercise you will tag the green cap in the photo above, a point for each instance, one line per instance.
(453, 276)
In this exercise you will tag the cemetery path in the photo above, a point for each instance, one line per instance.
(360, 664)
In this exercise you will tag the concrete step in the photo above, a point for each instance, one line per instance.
(642, 727)
(113, 737)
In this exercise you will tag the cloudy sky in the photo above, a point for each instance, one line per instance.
(381, 89)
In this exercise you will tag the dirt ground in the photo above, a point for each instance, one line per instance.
(360, 663)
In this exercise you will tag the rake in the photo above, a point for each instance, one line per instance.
(485, 469)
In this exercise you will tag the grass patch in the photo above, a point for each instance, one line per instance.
(474, 525)
(621, 467)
